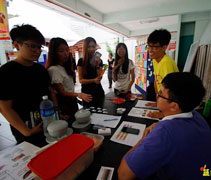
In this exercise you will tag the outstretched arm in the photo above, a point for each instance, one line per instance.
(60, 89)
(14, 119)
(124, 171)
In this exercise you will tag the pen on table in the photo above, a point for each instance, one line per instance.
(111, 119)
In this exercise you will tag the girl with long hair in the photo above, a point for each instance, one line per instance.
(60, 68)
(89, 70)
(123, 71)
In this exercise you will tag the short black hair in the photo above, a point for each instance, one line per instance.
(26, 32)
(161, 36)
(184, 88)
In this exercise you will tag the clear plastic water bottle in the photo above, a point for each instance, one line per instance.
(47, 112)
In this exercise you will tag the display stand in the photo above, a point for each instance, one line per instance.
(143, 69)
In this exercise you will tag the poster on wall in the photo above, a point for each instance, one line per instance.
(143, 69)
(4, 28)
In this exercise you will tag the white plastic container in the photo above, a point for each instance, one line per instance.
(57, 128)
(98, 139)
(82, 116)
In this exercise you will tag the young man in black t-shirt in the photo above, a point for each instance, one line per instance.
(23, 83)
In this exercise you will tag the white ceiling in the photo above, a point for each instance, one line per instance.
(53, 23)
(105, 19)
(150, 22)
(123, 16)
(119, 5)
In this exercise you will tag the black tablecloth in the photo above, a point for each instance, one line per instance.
(111, 153)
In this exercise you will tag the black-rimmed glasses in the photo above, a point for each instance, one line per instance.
(159, 95)
(152, 47)
(34, 46)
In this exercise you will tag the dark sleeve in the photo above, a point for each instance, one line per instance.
(74, 64)
(6, 90)
(46, 81)
(47, 78)
(101, 63)
(80, 62)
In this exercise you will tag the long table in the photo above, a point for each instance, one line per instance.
(111, 153)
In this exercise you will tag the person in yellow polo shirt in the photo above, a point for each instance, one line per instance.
(163, 64)
(162, 68)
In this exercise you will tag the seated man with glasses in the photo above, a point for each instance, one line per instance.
(179, 145)
(23, 83)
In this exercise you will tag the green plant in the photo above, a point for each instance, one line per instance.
(117, 41)
(108, 47)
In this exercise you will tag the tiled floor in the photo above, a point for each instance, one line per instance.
(6, 137)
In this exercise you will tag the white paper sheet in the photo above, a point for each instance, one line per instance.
(142, 104)
(127, 138)
(141, 113)
(99, 119)
(13, 163)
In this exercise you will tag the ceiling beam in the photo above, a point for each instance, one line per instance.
(196, 16)
(149, 30)
(80, 8)
(112, 20)
(120, 29)
(157, 10)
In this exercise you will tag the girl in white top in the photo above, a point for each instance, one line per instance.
(123, 70)
(60, 68)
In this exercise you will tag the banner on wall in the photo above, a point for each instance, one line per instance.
(4, 28)
(143, 69)
(172, 45)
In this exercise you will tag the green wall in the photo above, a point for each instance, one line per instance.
(186, 39)
(185, 43)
